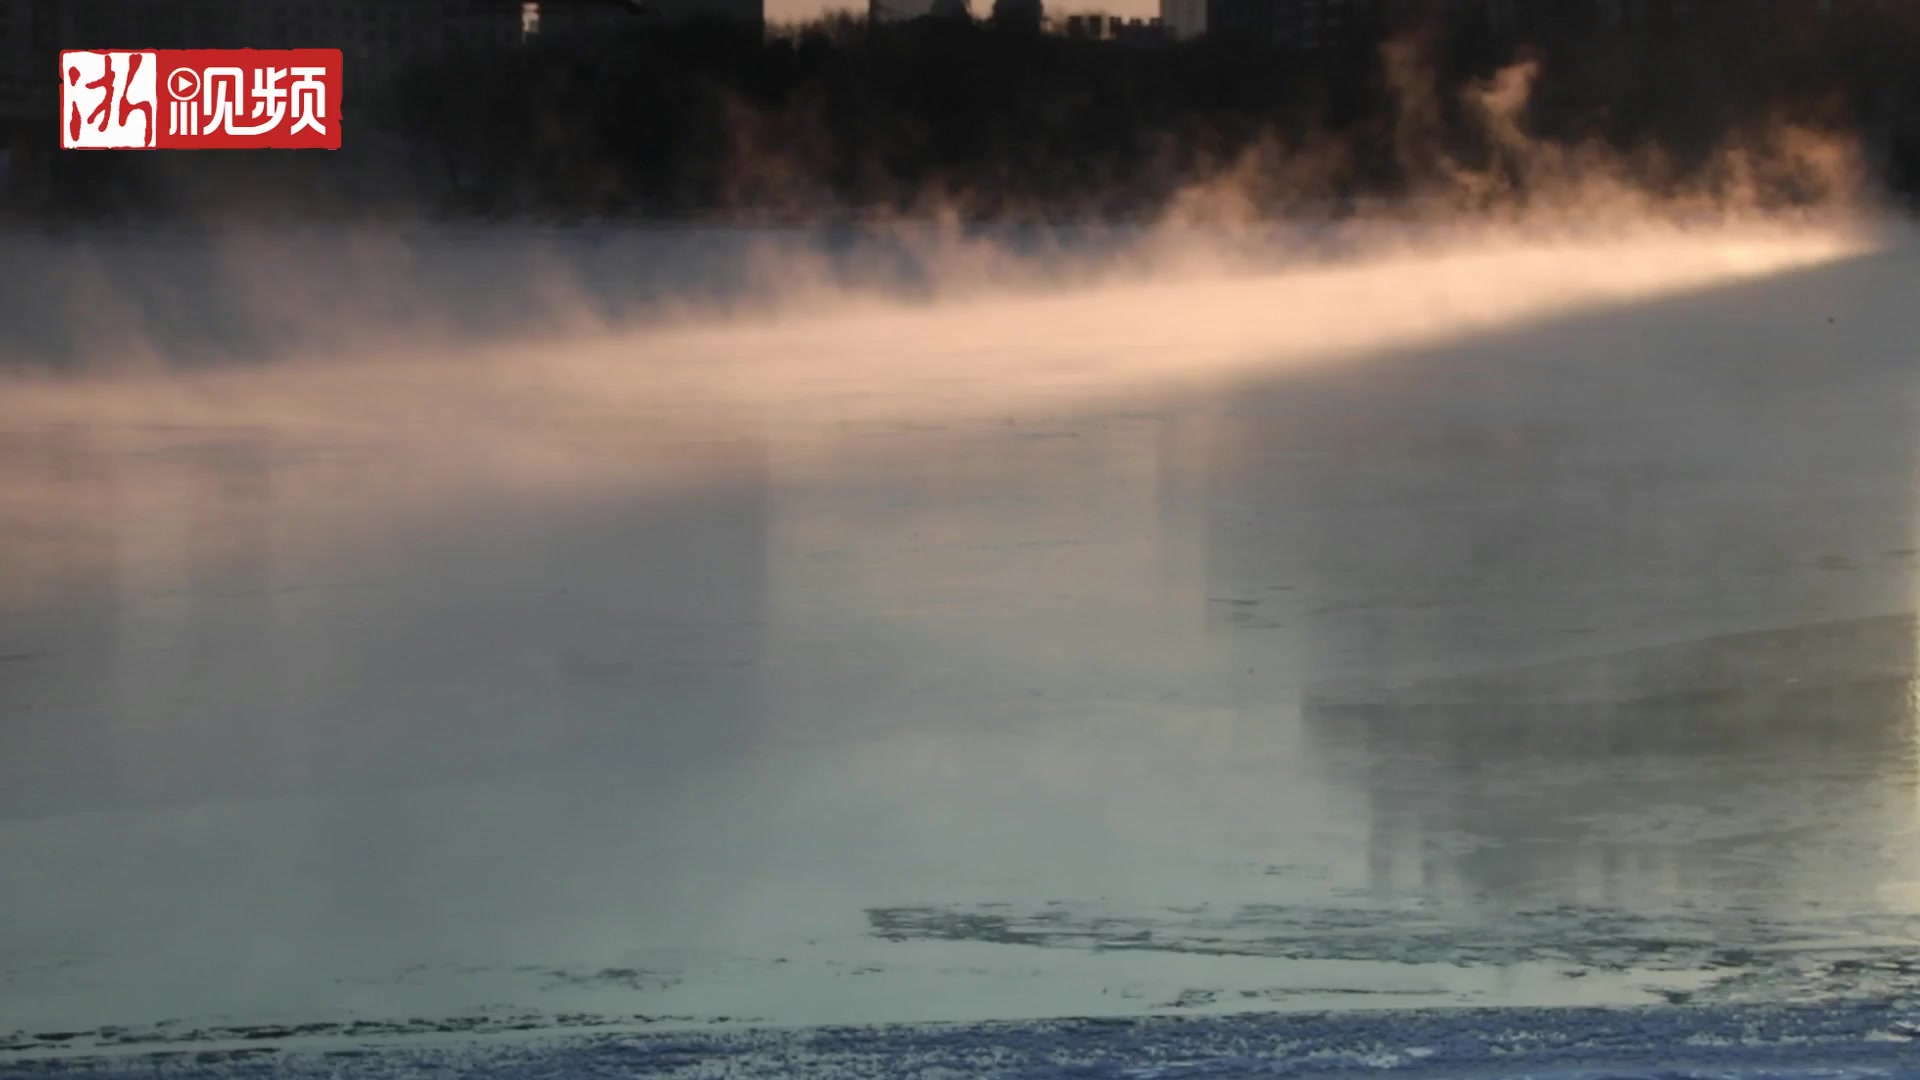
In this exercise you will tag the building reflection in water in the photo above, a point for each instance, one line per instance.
(203, 613)
(1642, 552)
(1763, 769)
(996, 573)
(62, 518)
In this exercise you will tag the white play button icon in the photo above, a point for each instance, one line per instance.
(184, 84)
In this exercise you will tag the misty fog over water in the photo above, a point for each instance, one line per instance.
(438, 630)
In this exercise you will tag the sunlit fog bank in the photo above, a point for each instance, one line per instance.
(921, 325)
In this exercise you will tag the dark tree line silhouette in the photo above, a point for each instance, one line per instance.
(837, 117)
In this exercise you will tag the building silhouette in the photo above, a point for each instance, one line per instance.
(589, 17)
(1315, 24)
(1184, 19)
(1300, 24)
(1020, 15)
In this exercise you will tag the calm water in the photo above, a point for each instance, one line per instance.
(867, 667)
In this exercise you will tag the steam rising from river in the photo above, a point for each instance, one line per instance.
(471, 360)
(986, 331)
(809, 339)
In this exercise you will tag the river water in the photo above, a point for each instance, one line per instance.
(1518, 626)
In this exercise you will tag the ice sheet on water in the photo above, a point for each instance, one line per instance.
(1869, 1042)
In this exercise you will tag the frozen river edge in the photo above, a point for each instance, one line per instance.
(1857, 1040)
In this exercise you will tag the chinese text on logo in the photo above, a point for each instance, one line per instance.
(200, 99)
